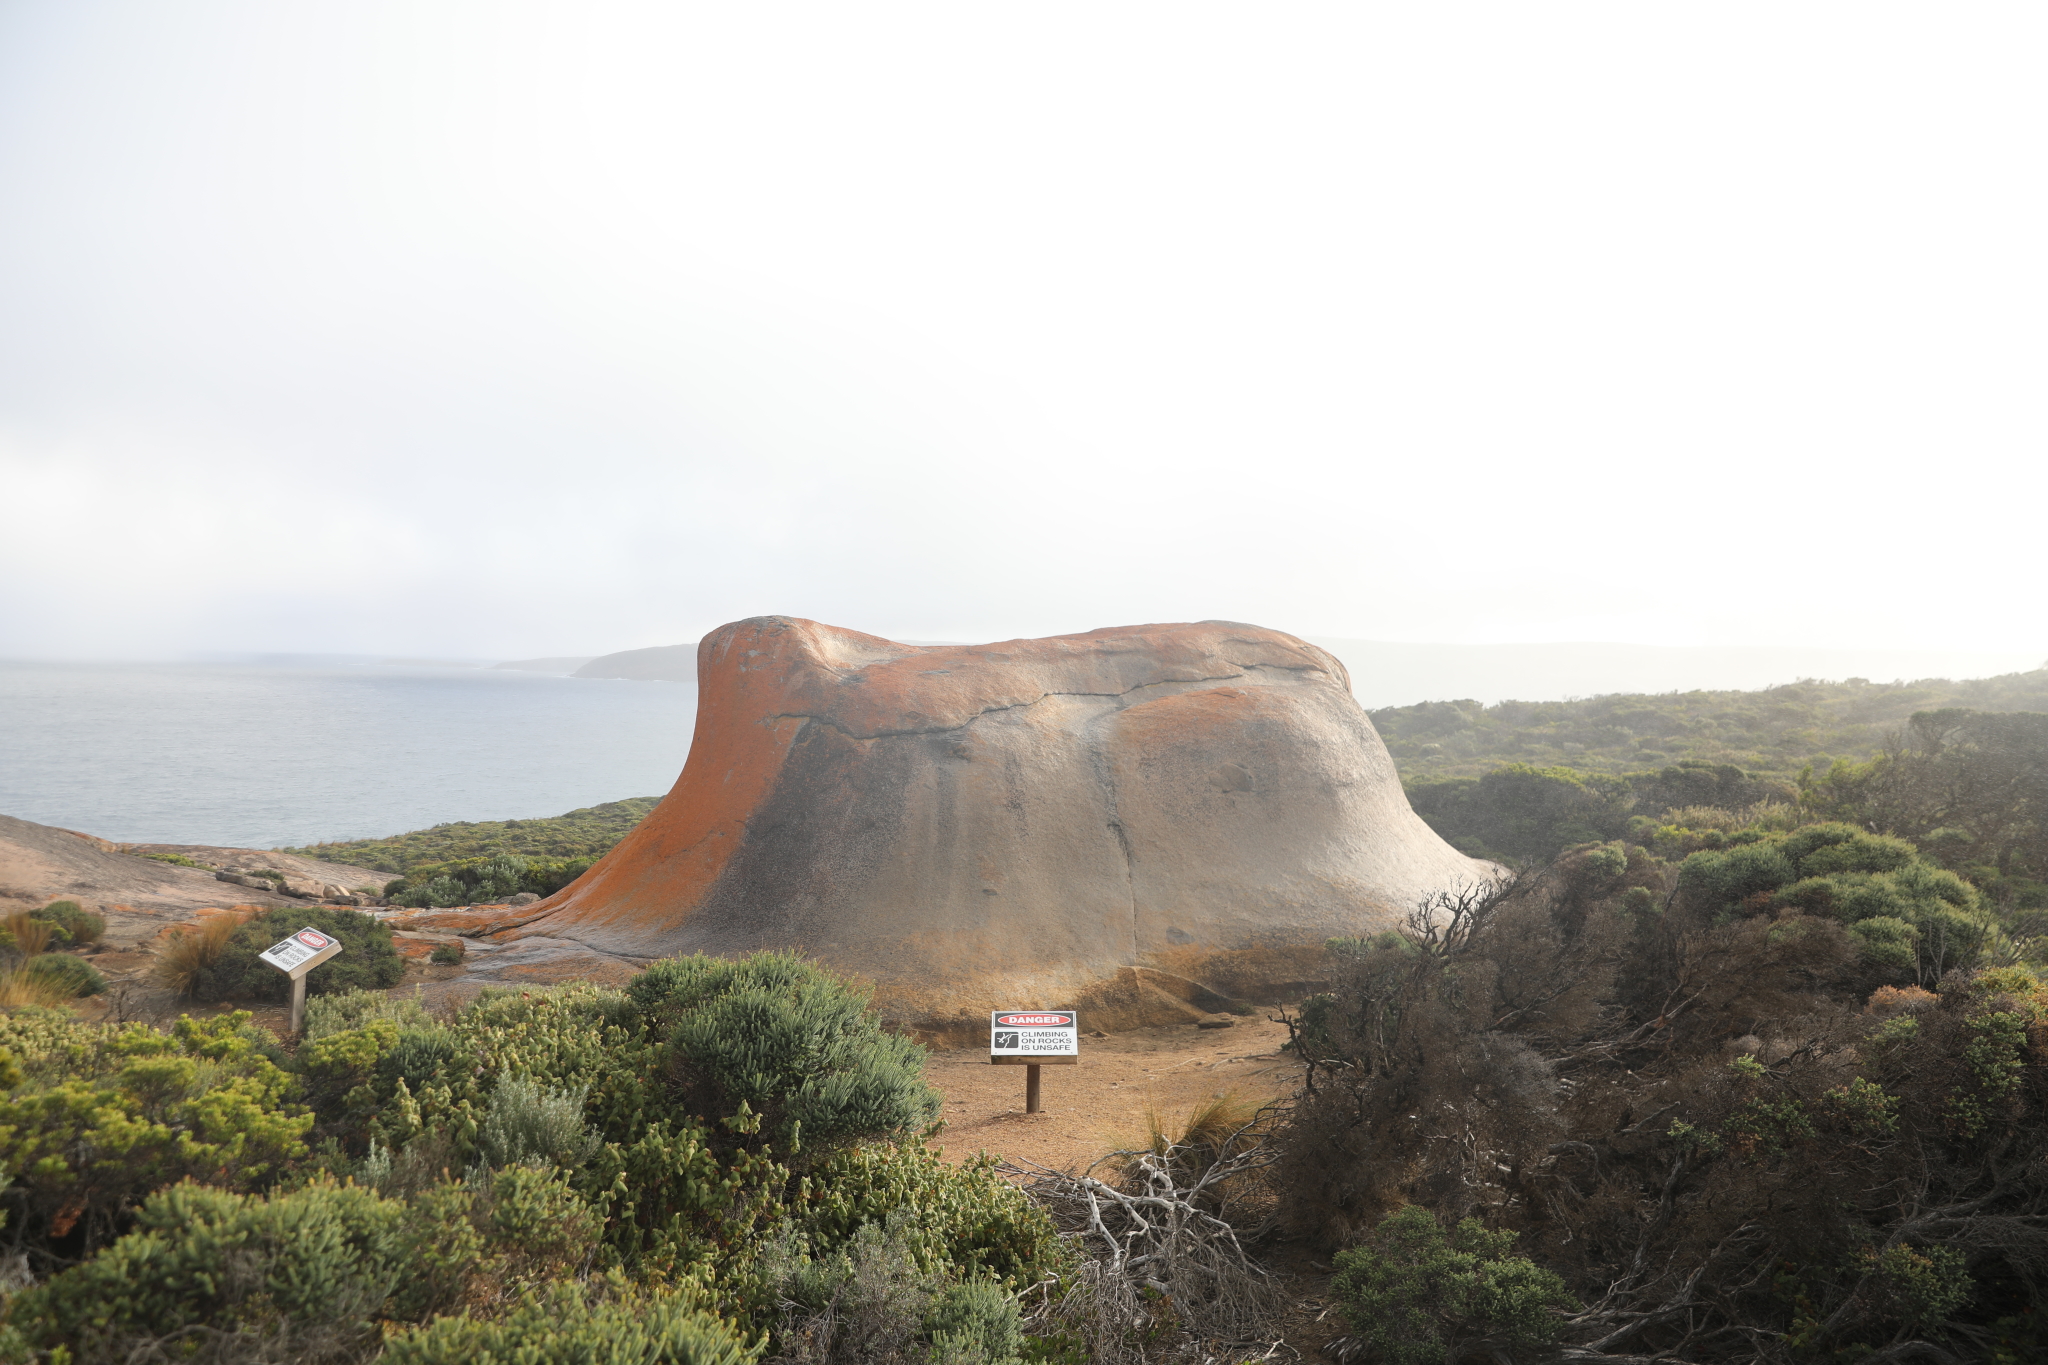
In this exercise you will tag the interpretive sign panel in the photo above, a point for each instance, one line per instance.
(300, 953)
(1031, 1036)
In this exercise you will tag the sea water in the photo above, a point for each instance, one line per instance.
(268, 756)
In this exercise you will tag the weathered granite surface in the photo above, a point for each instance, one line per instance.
(1144, 822)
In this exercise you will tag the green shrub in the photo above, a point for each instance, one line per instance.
(1821, 850)
(1721, 881)
(446, 954)
(72, 974)
(433, 892)
(317, 1266)
(366, 961)
(105, 1115)
(975, 1323)
(1417, 1296)
(479, 881)
(308, 1274)
(793, 1042)
(1889, 944)
(570, 1325)
(78, 924)
(587, 834)
(867, 1299)
(355, 1008)
(968, 1221)
(879, 1294)
(174, 859)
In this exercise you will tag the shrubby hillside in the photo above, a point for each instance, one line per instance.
(1775, 732)
(1969, 789)
(586, 833)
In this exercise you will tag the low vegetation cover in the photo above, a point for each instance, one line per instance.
(719, 1162)
(481, 881)
(1969, 789)
(586, 833)
(220, 959)
(37, 964)
(1776, 731)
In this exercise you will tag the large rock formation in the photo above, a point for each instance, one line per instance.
(1136, 821)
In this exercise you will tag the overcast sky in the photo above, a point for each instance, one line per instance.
(505, 329)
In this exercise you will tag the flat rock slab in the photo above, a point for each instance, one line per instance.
(42, 863)
(252, 860)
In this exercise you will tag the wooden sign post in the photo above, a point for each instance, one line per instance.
(296, 956)
(1032, 1039)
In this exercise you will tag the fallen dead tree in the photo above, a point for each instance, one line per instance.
(1162, 1252)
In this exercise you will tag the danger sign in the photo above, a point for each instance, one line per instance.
(1033, 1035)
(300, 953)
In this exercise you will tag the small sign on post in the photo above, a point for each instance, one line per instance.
(296, 956)
(1031, 1039)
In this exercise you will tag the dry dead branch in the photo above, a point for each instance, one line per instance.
(1155, 1244)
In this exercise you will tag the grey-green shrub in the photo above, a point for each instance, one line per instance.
(530, 1125)
(349, 1009)
(78, 925)
(866, 1300)
(788, 1039)
(1417, 1295)
(570, 1326)
(975, 1323)
(211, 1275)
(310, 1272)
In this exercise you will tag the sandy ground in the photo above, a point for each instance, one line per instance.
(1101, 1103)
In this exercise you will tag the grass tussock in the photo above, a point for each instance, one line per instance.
(184, 960)
(21, 987)
(31, 935)
(1207, 1126)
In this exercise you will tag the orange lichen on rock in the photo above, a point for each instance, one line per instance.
(1141, 821)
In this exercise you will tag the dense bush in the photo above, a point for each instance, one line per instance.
(552, 1174)
(1417, 1295)
(366, 961)
(572, 1326)
(304, 1275)
(482, 881)
(1677, 1088)
(73, 975)
(789, 1040)
(356, 1008)
(1914, 920)
(78, 925)
(102, 1116)
(1773, 731)
(964, 1218)
(874, 1298)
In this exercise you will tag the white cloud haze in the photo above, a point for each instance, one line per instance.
(510, 329)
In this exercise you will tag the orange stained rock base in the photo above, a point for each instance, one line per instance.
(1149, 823)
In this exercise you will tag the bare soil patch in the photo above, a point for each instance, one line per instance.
(1100, 1104)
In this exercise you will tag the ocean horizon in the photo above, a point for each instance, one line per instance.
(295, 750)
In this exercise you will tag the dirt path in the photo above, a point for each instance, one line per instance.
(1100, 1104)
